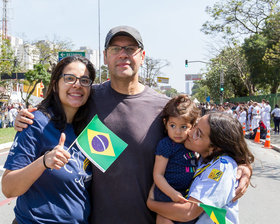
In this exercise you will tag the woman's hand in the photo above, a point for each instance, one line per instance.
(58, 157)
(244, 174)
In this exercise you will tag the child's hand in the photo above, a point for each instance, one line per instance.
(183, 200)
(177, 196)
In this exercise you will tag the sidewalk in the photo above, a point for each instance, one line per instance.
(6, 145)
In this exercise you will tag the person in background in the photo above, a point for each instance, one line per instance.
(12, 114)
(132, 111)
(276, 118)
(266, 114)
(215, 179)
(256, 116)
(49, 179)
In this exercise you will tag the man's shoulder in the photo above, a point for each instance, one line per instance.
(156, 95)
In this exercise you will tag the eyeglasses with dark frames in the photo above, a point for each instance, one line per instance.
(129, 50)
(72, 79)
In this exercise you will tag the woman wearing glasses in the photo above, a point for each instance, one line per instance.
(219, 139)
(49, 178)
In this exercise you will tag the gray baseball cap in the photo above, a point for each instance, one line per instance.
(124, 31)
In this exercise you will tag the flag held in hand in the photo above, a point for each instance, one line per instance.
(99, 144)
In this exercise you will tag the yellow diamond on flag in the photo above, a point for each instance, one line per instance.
(100, 143)
(213, 218)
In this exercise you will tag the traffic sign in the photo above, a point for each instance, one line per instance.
(63, 54)
(193, 77)
(162, 80)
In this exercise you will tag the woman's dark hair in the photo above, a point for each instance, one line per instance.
(52, 99)
(181, 106)
(226, 136)
(276, 106)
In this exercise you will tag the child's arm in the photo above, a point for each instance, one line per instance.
(160, 181)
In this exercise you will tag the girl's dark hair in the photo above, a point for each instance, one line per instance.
(181, 106)
(226, 136)
(52, 99)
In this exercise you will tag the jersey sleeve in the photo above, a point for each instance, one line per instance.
(216, 185)
(27, 145)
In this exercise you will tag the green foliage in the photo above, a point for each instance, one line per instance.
(263, 54)
(200, 91)
(232, 66)
(171, 93)
(7, 58)
(254, 67)
(234, 17)
(104, 74)
(35, 76)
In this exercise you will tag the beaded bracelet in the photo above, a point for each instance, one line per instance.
(44, 160)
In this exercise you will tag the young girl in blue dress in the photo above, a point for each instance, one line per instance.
(174, 164)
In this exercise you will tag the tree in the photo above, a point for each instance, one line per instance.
(171, 92)
(7, 66)
(231, 64)
(200, 91)
(104, 74)
(47, 51)
(235, 17)
(272, 53)
(262, 54)
(151, 69)
(33, 77)
(7, 58)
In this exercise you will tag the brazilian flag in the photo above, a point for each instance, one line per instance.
(217, 215)
(99, 144)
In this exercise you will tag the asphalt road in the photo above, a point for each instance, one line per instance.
(260, 204)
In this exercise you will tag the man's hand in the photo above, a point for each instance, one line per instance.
(244, 173)
(24, 118)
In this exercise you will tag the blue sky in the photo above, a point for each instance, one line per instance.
(170, 28)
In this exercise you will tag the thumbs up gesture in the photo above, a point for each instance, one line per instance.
(58, 157)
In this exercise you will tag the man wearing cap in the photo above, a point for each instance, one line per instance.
(132, 111)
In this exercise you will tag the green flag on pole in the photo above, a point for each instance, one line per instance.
(217, 215)
(99, 144)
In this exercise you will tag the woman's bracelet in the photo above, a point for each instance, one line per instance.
(44, 160)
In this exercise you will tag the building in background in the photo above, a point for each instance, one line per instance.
(188, 87)
(189, 82)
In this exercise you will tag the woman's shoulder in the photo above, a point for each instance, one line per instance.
(40, 117)
(224, 162)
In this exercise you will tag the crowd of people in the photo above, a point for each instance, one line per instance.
(8, 113)
(251, 114)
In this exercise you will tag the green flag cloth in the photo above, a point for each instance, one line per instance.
(217, 215)
(99, 144)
